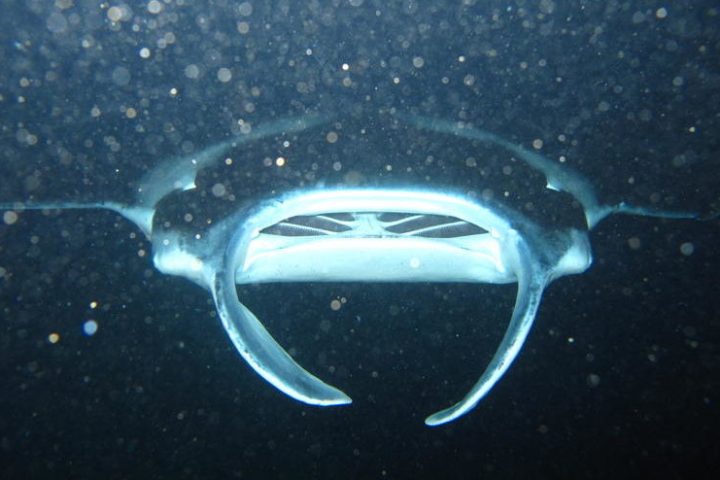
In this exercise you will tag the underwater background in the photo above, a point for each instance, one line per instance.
(109, 369)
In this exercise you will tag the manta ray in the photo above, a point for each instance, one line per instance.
(405, 234)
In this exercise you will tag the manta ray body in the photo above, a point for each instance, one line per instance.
(374, 234)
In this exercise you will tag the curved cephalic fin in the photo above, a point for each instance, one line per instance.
(140, 216)
(263, 353)
(530, 290)
(558, 177)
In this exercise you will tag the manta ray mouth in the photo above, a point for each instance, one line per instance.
(374, 224)
(373, 246)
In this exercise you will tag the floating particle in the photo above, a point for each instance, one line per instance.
(325, 325)
(245, 9)
(218, 190)
(243, 27)
(115, 14)
(224, 75)
(638, 17)
(593, 380)
(192, 71)
(155, 7)
(56, 22)
(90, 328)
(121, 76)
(634, 243)
(10, 217)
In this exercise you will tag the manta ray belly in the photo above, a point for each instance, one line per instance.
(476, 258)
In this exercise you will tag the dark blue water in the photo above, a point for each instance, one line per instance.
(619, 377)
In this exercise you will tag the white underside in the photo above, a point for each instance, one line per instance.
(472, 258)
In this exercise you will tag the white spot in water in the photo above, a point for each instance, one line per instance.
(593, 380)
(121, 76)
(414, 262)
(687, 249)
(56, 22)
(245, 9)
(634, 243)
(90, 328)
(10, 217)
(243, 28)
(115, 14)
(192, 71)
(224, 75)
(155, 7)
(218, 190)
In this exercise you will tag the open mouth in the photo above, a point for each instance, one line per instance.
(374, 224)
(387, 244)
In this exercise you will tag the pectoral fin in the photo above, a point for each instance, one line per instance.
(139, 215)
(627, 209)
